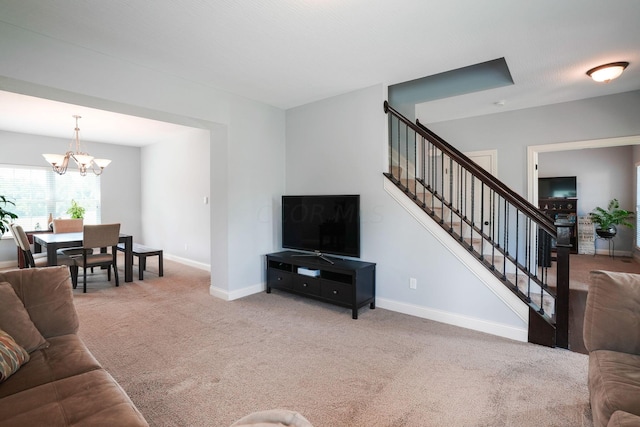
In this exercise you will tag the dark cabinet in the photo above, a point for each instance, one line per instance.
(343, 282)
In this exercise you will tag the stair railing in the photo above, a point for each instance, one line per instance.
(507, 234)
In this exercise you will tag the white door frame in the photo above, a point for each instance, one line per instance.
(533, 150)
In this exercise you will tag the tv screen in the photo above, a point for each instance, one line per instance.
(564, 186)
(325, 224)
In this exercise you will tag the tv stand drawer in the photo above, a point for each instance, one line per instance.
(337, 291)
(306, 284)
(279, 279)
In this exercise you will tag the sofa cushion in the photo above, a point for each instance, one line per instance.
(612, 317)
(623, 419)
(47, 295)
(15, 320)
(66, 356)
(614, 384)
(12, 356)
(92, 399)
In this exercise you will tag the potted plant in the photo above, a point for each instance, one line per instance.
(607, 220)
(76, 211)
(6, 217)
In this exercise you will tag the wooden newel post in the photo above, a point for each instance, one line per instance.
(563, 246)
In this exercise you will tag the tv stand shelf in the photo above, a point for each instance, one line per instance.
(346, 283)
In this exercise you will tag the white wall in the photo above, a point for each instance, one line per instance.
(175, 182)
(339, 145)
(246, 139)
(601, 174)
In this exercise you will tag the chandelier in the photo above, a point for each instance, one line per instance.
(59, 162)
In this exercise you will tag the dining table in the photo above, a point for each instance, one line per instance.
(54, 241)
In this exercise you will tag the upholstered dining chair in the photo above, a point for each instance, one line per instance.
(99, 236)
(69, 225)
(40, 260)
(21, 239)
(73, 225)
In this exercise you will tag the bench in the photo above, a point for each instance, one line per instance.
(142, 252)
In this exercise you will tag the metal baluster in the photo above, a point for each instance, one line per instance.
(424, 189)
(517, 249)
(492, 228)
(406, 155)
(527, 256)
(482, 233)
(451, 196)
(473, 209)
(505, 240)
(399, 157)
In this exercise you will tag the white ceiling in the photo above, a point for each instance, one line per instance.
(27, 114)
(290, 52)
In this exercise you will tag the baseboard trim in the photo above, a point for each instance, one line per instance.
(8, 264)
(237, 294)
(190, 263)
(455, 319)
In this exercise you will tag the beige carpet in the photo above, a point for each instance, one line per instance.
(188, 359)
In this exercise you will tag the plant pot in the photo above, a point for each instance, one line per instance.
(608, 233)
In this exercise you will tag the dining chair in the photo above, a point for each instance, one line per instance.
(69, 225)
(99, 236)
(40, 260)
(72, 225)
(22, 241)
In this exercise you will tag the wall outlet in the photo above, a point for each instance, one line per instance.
(186, 247)
(413, 283)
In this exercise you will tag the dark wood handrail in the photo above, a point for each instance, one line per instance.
(491, 181)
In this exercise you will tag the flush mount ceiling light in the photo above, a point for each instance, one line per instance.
(607, 72)
(59, 162)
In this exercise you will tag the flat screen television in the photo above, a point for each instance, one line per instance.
(322, 224)
(562, 186)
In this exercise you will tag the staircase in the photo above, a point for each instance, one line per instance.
(505, 233)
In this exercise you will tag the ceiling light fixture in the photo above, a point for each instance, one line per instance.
(59, 162)
(607, 72)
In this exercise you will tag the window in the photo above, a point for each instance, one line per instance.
(38, 192)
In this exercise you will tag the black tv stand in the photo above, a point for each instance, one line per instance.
(317, 254)
(343, 282)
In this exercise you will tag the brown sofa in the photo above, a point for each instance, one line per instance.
(612, 337)
(48, 375)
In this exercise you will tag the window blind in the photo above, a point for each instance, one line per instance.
(38, 192)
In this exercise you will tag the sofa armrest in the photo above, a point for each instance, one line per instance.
(612, 314)
(47, 295)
